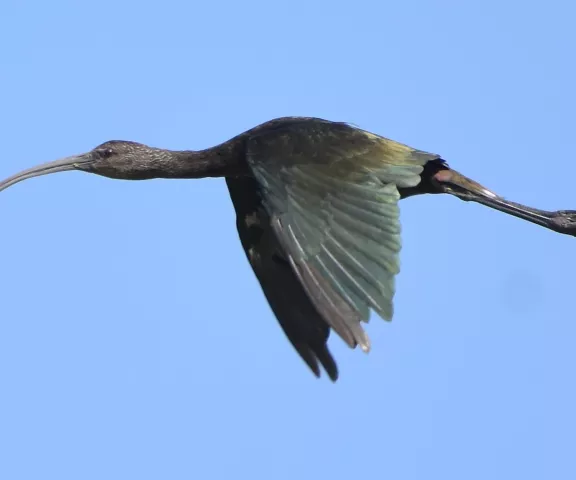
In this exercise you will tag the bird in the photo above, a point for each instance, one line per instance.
(317, 213)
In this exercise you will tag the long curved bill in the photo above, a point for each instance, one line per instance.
(69, 163)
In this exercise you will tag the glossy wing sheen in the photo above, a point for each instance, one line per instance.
(302, 324)
(331, 191)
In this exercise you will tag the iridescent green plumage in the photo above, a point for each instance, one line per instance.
(317, 214)
(332, 192)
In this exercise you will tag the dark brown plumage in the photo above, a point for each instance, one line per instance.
(317, 214)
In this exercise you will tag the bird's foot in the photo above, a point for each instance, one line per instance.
(564, 221)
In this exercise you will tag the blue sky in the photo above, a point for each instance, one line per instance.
(134, 339)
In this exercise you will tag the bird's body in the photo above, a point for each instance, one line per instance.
(320, 226)
(317, 214)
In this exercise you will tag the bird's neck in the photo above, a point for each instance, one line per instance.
(220, 161)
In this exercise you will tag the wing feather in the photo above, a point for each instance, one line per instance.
(332, 193)
(297, 315)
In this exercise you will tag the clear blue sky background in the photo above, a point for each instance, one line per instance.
(134, 339)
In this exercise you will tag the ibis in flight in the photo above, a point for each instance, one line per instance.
(317, 213)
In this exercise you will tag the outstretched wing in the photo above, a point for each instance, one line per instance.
(302, 324)
(331, 192)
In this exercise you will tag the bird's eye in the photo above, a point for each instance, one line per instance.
(104, 152)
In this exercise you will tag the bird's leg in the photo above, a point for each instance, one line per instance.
(454, 183)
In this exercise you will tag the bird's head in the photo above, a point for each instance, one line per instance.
(114, 159)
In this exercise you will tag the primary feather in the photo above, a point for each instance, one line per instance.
(330, 192)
